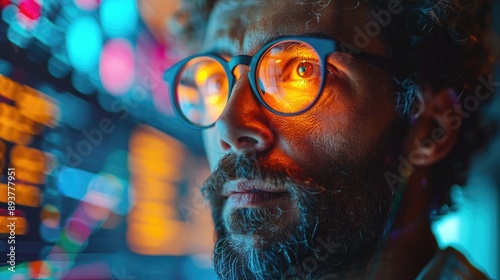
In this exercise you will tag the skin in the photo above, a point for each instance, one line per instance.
(349, 119)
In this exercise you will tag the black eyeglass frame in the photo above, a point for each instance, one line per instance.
(324, 47)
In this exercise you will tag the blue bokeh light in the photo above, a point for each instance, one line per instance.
(73, 182)
(84, 43)
(118, 17)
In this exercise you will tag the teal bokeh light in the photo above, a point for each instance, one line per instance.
(118, 17)
(73, 182)
(84, 43)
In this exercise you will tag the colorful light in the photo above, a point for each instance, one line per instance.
(116, 66)
(78, 230)
(4, 3)
(84, 42)
(152, 60)
(50, 216)
(155, 227)
(39, 270)
(29, 13)
(118, 17)
(50, 235)
(87, 5)
(30, 9)
(73, 182)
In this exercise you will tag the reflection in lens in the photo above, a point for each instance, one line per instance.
(202, 90)
(289, 76)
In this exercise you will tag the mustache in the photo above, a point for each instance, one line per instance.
(234, 166)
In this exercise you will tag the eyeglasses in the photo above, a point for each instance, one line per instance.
(286, 75)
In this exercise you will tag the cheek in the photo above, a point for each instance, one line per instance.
(334, 128)
(313, 141)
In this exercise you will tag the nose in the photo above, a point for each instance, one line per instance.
(244, 123)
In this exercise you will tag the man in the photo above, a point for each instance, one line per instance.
(335, 130)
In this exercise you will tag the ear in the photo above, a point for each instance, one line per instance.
(434, 131)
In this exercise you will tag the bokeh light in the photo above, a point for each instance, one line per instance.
(116, 66)
(31, 9)
(87, 5)
(29, 12)
(78, 230)
(50, 216)
(39, 270)
(118, 17)
(4, 3)
(72, 182)
(49, 234)
(84, 42)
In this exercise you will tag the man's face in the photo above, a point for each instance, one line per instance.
(300, 195)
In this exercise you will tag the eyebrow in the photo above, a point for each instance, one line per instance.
(339, 56)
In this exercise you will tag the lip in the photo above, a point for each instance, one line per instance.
(252, 193)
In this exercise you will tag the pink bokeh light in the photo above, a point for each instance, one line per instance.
(31, 9)
(116, 66)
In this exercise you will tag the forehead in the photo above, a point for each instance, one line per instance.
(243, 26)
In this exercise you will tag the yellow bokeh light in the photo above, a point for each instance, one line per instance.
(3, 193)
(201, 76)
(28, 195)
(8, 88)
(25, 195)
(213, 99)
(155, 164)
(21, 224)
(28, 158)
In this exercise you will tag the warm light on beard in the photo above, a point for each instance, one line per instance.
(335, 228)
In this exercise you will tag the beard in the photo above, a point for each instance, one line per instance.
(327, 225)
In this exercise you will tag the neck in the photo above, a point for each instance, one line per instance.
(410, 244)
(406, 252)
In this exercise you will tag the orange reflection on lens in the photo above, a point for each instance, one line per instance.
(202, 89)
(289, 76)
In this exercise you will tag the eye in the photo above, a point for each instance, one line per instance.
(305, 69)
(301, 71)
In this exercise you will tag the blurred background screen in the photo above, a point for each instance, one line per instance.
(106, 177)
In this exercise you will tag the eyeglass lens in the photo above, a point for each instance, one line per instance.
(288, 79)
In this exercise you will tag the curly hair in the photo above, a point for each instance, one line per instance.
(441, 43)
